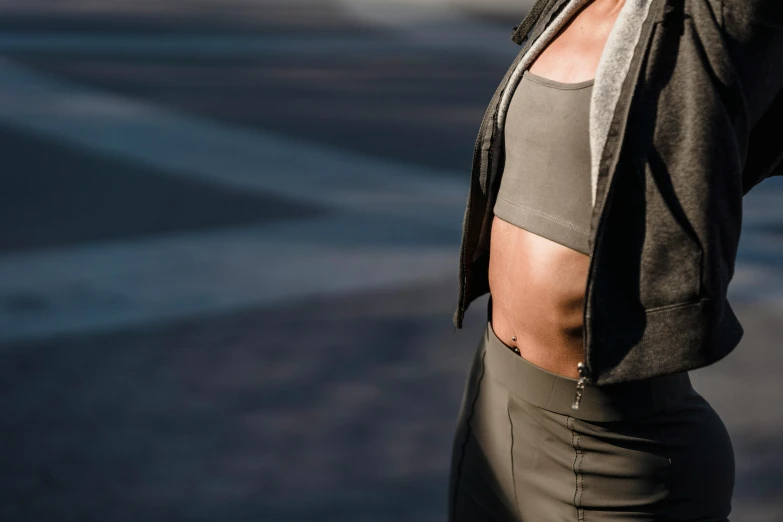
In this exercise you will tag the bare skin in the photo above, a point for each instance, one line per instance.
(537, 285)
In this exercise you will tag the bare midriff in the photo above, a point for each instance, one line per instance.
(538, 285)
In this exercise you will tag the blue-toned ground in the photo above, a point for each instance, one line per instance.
(228, 264)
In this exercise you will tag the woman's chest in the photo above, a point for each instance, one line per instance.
(573, 54)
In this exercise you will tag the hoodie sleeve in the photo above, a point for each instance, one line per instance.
(753, 32)
(753, 35)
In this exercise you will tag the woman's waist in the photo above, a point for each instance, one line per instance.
(551, 340)
(554, 392)
(535, 280)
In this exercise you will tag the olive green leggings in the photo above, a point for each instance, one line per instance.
(647, 450)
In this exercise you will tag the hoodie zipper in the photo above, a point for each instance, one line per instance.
(582, 367)
(585, 374)
(584, 371)
(580, 385)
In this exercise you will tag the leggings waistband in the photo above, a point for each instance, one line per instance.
(553, 392)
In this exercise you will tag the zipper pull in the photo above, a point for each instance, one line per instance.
(580, 385)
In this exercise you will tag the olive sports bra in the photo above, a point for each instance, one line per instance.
(545, 185)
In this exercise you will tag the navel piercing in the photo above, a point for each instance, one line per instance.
(514, 338)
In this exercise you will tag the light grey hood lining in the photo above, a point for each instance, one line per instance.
(533, 51)
(609, 77)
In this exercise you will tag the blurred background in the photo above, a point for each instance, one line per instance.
(228, 261)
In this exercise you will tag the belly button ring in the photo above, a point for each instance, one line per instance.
(514, 338)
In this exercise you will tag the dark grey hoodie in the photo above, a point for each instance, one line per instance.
(684, 120)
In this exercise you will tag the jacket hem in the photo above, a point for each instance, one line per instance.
(663, 340)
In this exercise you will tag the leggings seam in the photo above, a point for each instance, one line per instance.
(468, 430)
(581, 476)
(667, 452)
(578, 475)
(513, 472)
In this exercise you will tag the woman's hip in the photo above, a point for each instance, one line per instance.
(520, 453)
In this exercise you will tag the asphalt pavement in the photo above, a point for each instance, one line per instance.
(228, 263)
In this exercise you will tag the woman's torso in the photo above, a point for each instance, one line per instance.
(537, 285)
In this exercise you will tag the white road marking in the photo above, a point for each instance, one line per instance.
(393, 224)
(193, 147)
(112, 285)
(200, 46)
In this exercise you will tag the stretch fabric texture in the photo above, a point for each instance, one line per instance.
(545, 185)
(641, 450)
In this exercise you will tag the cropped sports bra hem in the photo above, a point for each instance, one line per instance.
(554, 83)
(511, 215)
